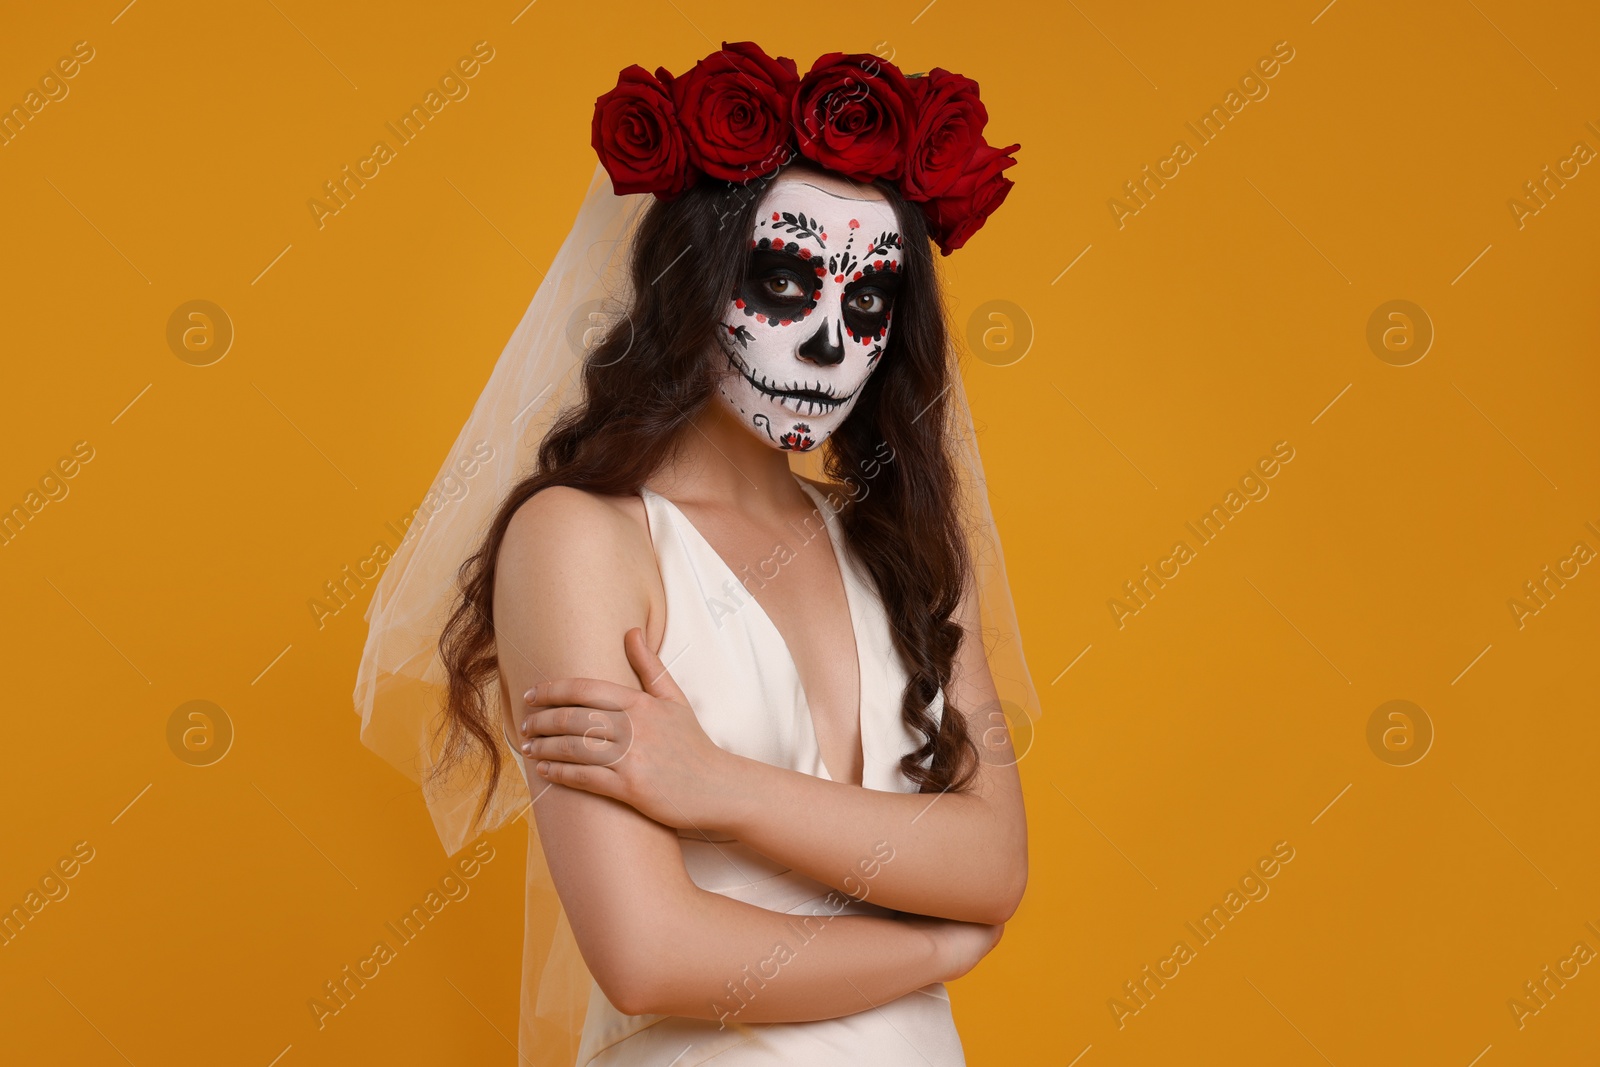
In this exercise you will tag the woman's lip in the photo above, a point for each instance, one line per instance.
(808, 396)
(805, 394)
(808, 403)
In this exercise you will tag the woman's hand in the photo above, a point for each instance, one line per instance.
(645, 749)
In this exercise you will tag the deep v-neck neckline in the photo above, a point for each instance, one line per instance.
(851, 610)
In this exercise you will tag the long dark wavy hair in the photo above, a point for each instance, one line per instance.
(905, 530)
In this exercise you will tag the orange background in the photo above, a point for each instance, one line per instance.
(1227, 315)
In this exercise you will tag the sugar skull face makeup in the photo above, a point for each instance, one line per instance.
(811, 321)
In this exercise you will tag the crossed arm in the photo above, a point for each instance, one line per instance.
(958, 855)
(568, 585)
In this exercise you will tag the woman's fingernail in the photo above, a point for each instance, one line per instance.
(543, 767)
(528, 748)
(529, 695)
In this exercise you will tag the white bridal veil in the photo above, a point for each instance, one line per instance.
(401, 683)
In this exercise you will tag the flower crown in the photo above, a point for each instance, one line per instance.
(739, 114)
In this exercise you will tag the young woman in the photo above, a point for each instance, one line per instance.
(753, 711)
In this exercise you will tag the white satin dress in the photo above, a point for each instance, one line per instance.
(732, 663)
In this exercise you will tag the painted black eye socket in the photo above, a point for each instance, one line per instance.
(779, 285)
(866, 312)
(786, 288)
(875, 303)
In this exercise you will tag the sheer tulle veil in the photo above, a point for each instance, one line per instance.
(401, 683)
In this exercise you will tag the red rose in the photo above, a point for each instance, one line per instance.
(853, 114)
(972, 197)
(948, 130)
(734, 107)
(637, 136)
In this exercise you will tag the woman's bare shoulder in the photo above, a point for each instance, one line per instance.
(561, 506)
(561, 526)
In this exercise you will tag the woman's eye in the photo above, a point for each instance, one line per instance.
(782, 285)
(874, 302)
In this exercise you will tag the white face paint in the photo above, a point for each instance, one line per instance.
(811, 321)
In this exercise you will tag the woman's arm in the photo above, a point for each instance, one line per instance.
(956, 855)
(959, 855)
(569, 583)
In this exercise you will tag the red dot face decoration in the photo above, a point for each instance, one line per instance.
(811, 321)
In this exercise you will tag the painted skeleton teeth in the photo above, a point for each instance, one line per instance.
(806, 406)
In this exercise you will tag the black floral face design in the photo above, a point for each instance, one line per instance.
(812, 318)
